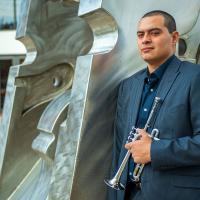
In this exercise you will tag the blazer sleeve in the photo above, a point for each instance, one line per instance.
(183, 151)
(118, 129)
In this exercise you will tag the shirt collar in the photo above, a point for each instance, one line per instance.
(158, 73)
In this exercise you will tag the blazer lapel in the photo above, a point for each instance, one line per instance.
(136, 88)
(167, 81)
(168, 78)
(135, 98)
(136, 95)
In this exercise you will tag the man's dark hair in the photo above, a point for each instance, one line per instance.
(169, 21)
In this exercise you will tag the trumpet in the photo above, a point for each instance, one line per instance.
(133, 135)
(139, 167)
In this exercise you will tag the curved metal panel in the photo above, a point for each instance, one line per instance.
(105, 34)
(88, 48)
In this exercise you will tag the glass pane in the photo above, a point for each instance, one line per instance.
(21, 60)
(4, 69)
(18, 9)
(7, 20)
(9, 11)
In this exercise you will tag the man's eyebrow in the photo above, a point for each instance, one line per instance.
(149, 30)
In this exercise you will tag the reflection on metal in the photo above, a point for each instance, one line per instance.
(88, 6)
(54, 114)
(105, 34)
(182, 47)
(56, 131)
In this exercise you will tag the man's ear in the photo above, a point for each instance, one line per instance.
(175, 37)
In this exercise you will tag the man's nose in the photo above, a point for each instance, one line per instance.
(146, 39)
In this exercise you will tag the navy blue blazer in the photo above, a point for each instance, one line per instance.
(174, 172)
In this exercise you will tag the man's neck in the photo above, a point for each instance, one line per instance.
(155, 65)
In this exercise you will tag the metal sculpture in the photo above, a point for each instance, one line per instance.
(56, 130)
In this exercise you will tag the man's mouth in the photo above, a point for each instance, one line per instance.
(147, 49)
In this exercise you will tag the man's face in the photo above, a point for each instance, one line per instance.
(155, 43)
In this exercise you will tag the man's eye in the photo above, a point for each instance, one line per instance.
(140, 35)
(155, 32)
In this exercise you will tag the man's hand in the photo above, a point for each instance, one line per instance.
(140, 149)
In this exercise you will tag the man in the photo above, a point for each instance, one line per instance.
(172, 164)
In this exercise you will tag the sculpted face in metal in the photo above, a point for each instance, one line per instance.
(155, 43)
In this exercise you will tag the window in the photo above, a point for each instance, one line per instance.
(5, 63)
(4, 69)
(9, 11)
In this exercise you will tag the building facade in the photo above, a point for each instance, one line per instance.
(12, 52)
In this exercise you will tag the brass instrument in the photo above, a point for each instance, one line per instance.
(115, 181)
(139, 167)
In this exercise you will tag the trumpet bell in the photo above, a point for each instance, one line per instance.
(115, 184)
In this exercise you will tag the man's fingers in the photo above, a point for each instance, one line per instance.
(128, 145)
(131, 145)
(137, 160)
(141, 131)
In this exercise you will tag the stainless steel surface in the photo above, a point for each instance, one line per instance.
(54, 114)
(87, 47)
(105, 35)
